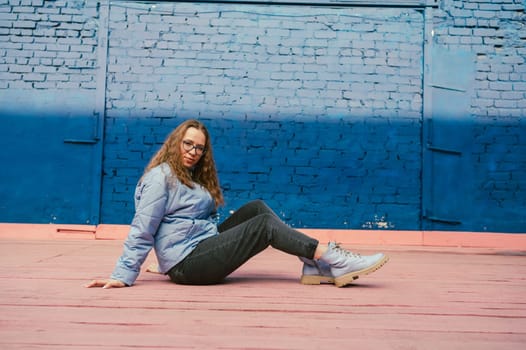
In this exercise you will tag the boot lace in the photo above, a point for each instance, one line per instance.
(346, 252)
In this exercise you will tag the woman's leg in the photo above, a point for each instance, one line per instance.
(246, 212)
(218, 256)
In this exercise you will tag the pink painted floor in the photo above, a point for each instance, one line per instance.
(424, 298)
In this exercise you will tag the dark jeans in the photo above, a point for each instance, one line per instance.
(248, 231)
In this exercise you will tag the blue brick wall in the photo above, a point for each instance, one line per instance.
(317, 110)
(316, 113)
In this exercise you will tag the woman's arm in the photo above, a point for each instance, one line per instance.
(151, 197)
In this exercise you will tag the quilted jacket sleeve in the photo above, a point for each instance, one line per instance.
(151, 197)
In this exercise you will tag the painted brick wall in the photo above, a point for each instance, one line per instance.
(316, 111)
(48, 44)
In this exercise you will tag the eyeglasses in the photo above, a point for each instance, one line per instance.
(188, 146)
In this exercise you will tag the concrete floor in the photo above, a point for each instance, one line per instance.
(424, 298)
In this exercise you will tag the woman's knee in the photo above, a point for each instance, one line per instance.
(257, 203)
(260, 206)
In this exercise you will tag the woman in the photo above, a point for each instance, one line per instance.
(176, 201)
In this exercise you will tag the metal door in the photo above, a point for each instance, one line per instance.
(447, 179)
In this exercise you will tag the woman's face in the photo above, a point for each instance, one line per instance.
(192, 147)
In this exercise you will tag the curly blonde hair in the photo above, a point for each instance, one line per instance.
(204, 173)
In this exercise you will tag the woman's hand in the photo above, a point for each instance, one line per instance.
(106, 284)
(153, 268)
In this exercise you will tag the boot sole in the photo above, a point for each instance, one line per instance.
(350, 277)
(314, 280)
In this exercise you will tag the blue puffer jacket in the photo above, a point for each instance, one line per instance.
(170, 217)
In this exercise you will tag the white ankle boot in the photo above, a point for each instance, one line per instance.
(315, 272)
(347, 266)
